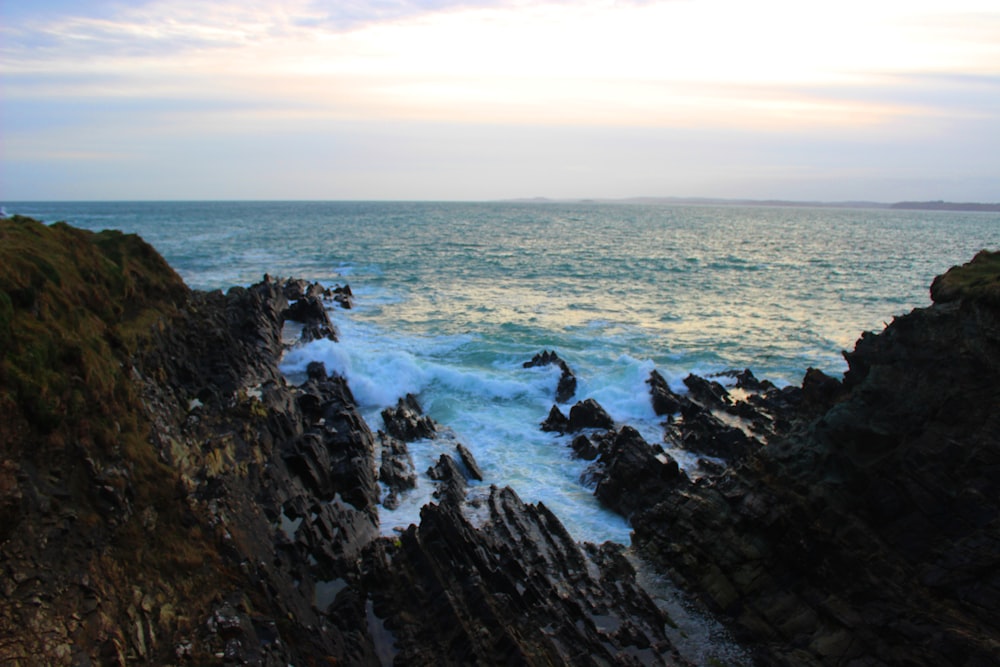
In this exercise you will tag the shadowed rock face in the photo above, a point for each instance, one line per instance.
(868, 535)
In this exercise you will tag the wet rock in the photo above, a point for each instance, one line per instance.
(452, 483)
(707, 392)
(589, 414)
(634, 473)
(665, 401)
(518, 589)
(343, 296)
(469, 462)
(397, 471)
(310, 311)
(704, 433)
(407, 421)
(567, 381)
(584, 448)
(556, 421)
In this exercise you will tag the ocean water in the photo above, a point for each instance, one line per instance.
(452, 298)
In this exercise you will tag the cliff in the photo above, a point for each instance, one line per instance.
(166, 497)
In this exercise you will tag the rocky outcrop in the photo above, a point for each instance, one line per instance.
(407, 420)
(867, 535)
(566, 387)
(167, 498)
(515, 590)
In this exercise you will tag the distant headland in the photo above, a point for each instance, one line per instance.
(938, 205)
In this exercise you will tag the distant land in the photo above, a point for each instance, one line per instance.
(938, 205)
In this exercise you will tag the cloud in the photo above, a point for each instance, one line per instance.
(160, 81)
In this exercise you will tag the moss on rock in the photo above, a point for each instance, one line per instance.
(975, 280)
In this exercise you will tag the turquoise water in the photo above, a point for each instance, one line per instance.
(451, 299)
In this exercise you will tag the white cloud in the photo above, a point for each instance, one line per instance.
(202, 76)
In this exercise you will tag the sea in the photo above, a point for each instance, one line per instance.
(450, 300)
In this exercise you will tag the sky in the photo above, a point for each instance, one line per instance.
(449, 100)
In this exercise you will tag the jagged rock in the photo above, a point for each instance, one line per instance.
(634, 473)
(819, 390)
(867, 535)
(469, 461)
(584, 448)
(451, 480)
(567, 381)
(702, 432)
(343, 296)
(311, 313)
(407, 421)
(665, 401)
(556, 421)
(589, 414)
(708, 392)
(518, 590)
(397, 471)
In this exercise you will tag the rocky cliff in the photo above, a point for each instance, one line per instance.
(166, 497)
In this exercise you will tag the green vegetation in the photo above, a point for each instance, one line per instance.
(976, 280)
(72, 306)
(75, 308)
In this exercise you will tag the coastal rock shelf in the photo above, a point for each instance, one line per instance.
(166, 497)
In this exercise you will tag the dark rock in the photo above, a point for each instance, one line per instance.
(343, 297)
(311, 312)
(451, 480)
(665, 401)
(584, 448)
(635, 473)
(397, 471)
(707, 392)
(703, 433)
(867, 535)
(556, 421)
(819, 390)
(567, 381)
(518, 590)
(407, 421)
(469, 462)
(589, 414)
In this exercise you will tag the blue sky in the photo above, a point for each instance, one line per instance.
(302, 99)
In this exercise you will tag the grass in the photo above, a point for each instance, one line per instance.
(976, 280)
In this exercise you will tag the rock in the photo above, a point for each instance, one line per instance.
(468, 460)
(707, 392)
(584, 448)
(703, 433)
(556, 421)
(635, 473)
(819, 390)
(407, 422)
(311, 313)
(665, 401)
(567, 381)
(343, 296)
(517, 590)
(589, 414)
(864, 530)
(451, 480)
(397, 471)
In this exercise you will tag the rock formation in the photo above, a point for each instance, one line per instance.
(167, 498)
